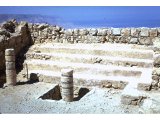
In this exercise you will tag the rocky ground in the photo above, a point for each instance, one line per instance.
(24, 98)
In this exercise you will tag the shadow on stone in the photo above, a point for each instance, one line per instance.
(53, 94)
(2, 84)
(81, 93)
(33, 79)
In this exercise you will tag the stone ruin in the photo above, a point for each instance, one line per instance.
(119, 58)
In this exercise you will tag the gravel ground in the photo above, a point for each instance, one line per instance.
(25, 99)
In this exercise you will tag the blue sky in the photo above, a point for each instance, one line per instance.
(96, 16)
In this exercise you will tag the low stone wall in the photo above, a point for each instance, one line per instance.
(17, 35)
(13, 35)
(47, 33)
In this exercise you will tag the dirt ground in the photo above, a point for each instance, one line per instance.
(24, 98)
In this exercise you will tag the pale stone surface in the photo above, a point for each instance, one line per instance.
(157, 59)
(93, 32)
(126, 32)
(153, 32)
(144, 32)
(116, 31)
(134, 40)
(10, 68)
(67, 85)
(102, 32)
(145, 41)
(135, 32)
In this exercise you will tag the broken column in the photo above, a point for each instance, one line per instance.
(67, 84)
(10, 67)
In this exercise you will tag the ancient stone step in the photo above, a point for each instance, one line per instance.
(131, 95)
(82, 58)
(94, 49)
(109, 70)
(82, 79)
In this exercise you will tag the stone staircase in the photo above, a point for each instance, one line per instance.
(120, 66)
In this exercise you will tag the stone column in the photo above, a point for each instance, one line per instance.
(67, 85)
(10, 67)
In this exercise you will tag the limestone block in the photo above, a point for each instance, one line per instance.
(154, 83)
(157, 59)
(107, 85)
(123, 39)
(126, 32)
(156, 71)
(116, 31)
(153, 32)
(93, 32)
(83, 31)
(145, 41)
(135, 32)
(134, 40)
(35, 34)
(156, 43)
(42, 26)
(155, 77)
(69, 32)
(102, 32)
(144, 32)
(76, 31)
(57, 28)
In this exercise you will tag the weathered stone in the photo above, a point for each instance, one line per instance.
(156, 43)
(67, 85)
(144, 32)
(145, 41)
(102, 32)
(10, 68)
(69, 32)
(83, 31)
(155, 77)
(9, 26)
(135, 32)
(93, 32)
(156, 71)
(126, 32)
(76, 32)
(134, 40)
(154, 83)
(10, 65)
(5, 33)
(115, 85)
(157, 59)
(153, 32)
(116, 31)
(107, 85)
(42, 26)
(143, 86)
(159, 85)
(58, 28)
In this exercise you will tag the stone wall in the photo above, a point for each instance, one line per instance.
(18, 36)
(13, 35)
(156, 69)
(47, 33)
(142, 36)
